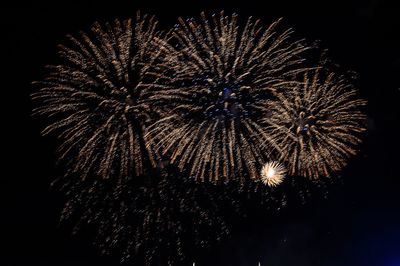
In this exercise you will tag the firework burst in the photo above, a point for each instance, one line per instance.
(96, 98)
(216, 85)
(272, 173)
(316, 124)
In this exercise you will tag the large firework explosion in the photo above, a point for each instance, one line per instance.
(96, 98)
(216, 86)
(316, 124)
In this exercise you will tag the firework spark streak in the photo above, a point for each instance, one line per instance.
(316, 124)
(215, 89)
(96, 98)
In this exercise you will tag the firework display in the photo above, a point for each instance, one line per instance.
(161, 131)
(316, 124)
(215, 90)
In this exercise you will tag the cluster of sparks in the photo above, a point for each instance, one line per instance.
(147, 223)
(218, 101)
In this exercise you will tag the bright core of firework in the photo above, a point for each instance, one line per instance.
(273, 173)
(270, 173)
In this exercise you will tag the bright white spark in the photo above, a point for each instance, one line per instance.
(273, 173)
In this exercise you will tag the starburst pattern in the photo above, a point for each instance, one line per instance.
(273, 173)
(96, 100)
(218, 81)
(316, 124)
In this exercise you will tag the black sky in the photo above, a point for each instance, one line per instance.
(359, 224)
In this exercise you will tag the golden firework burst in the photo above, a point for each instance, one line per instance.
(95, 99)
(316, 124)
(219, 79)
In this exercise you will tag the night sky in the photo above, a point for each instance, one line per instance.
(359, 223)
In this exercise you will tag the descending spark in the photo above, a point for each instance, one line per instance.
(95, 100)
(273, 173)
(159, 221)
(316, 124)
(219, 79)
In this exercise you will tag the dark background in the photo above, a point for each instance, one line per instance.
(359, 224)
